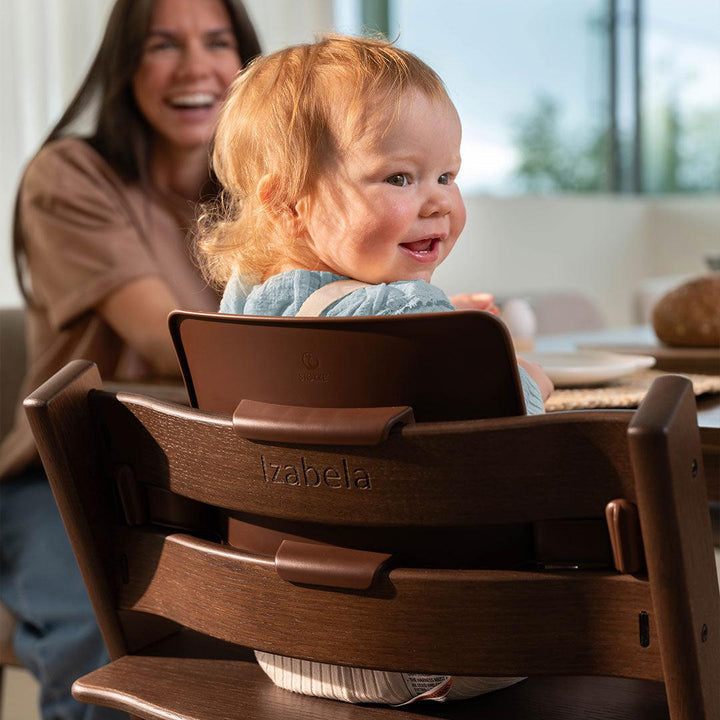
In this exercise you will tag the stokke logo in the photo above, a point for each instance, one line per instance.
(310, 361)
(314, 475)
(311, 373)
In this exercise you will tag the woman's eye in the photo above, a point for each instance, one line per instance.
(221, 43)
(399, 180)
(444, 179)
(160, 45)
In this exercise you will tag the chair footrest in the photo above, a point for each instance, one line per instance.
(191, 676)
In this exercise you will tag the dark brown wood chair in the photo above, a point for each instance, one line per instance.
(574, 548)
(12, 371)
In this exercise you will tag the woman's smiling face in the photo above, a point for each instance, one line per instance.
(189, 59)
(389, 209)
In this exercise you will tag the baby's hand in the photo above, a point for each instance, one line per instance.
(535, 371)
(475, 301)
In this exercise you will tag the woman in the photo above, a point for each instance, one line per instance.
(102, 257)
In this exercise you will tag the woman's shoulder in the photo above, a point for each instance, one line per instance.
(68, 177)
(68, 150)
(68, 161)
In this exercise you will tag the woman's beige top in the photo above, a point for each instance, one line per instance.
(88, 233)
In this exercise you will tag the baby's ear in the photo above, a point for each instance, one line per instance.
(270, 194)
(268, 190)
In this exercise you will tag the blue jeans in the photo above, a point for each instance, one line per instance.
(57, 637)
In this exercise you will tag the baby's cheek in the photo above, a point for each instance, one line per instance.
(459, 213)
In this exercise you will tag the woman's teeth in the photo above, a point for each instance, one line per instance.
(193, 100)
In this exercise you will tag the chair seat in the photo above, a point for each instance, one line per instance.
(192, 676)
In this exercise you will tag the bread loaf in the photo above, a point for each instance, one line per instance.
(689, 315)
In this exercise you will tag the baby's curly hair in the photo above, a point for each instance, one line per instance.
(287, 116)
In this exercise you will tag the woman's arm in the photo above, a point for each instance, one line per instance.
(138, 312)
(87, 253)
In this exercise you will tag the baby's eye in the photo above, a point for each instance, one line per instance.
(445, 179)
(399, 180)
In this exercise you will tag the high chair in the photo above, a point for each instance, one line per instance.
(12, 370)
(572, 548)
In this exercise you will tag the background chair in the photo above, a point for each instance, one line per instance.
(562, 311)
(12, 371)
(504, 546)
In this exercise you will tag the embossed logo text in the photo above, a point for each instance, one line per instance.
(311, 373)
(313, 475)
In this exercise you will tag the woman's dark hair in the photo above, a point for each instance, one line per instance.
(120, 133)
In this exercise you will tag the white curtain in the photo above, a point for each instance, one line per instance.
(45, 48)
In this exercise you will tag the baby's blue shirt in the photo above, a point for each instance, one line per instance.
(283, 294)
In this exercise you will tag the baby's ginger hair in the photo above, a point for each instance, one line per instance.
(287, 117)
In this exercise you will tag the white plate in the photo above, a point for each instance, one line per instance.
(587, 367)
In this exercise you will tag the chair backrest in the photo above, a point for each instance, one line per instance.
(446, 366)
(146, 489)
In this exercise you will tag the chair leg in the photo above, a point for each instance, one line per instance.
(672, 499)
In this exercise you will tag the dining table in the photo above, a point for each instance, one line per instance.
(701, 365)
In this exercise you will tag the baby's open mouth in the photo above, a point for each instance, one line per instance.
(193, 100)
(426, 245)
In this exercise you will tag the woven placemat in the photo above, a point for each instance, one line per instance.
(626, 392)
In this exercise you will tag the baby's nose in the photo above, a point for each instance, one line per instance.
(437, 202)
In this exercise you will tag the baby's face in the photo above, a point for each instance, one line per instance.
(389, 209)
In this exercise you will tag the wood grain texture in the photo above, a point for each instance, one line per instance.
(427, 475)
(452, 621)
(65, 434)
(201, 684)
(666, 452)
(436, 485)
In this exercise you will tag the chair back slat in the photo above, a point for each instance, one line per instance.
(443, 475)
(441, 621)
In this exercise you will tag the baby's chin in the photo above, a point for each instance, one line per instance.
(407, 277)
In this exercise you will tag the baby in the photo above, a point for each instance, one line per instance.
(339, 161)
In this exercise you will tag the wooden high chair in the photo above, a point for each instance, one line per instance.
(574, 548)
(12, 371)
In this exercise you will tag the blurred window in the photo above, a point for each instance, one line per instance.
(569, 96)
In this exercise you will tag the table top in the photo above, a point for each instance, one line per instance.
(708, 405)
(639, 338)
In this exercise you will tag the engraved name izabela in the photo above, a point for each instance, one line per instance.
(342, 475)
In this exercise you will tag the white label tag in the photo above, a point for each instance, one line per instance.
(427, 687)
